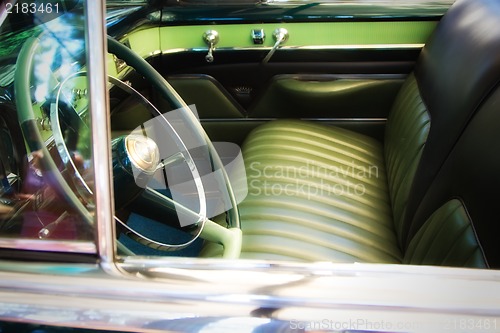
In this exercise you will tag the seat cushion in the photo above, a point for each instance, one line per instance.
(316, 193)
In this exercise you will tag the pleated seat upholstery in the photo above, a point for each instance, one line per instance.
(316, 193)
(320, 192)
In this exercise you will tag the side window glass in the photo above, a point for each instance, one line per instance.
(46, 190)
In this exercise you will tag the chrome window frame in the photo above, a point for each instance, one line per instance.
(101, 132)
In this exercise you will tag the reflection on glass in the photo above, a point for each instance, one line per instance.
(45, 159)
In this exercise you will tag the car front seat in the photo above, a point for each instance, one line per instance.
(322, 193)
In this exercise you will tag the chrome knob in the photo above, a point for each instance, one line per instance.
(280, 36)
(211, 38)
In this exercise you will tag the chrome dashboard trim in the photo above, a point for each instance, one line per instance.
(359, 46)
(311, 47)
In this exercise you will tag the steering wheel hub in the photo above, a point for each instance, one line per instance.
(143, 153)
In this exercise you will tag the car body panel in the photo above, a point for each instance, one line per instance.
(320, 295)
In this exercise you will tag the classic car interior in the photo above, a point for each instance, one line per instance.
(352, 153)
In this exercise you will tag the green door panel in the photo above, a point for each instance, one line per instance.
(326, 96)
(340, 34)
(246, 94)
(351, 35)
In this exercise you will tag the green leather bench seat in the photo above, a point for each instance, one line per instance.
(320, 193)
(316, 193)
(426, 195)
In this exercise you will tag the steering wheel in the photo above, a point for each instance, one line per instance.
(230, 238)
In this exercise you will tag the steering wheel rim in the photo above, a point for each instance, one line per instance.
(169, 93)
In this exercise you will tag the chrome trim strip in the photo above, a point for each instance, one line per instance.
(347, 119)
(212, 120)
(311, 47)
(48, 245)
(356, 47)
(101, 133)
(332, 77)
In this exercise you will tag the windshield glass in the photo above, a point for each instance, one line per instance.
(46, 191)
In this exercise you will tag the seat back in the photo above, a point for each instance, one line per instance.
(461, 206)
(456, 72)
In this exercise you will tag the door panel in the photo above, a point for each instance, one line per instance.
(244, 76)
(327, 96)
(342, 64)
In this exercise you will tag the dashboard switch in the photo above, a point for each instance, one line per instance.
(258, 36)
